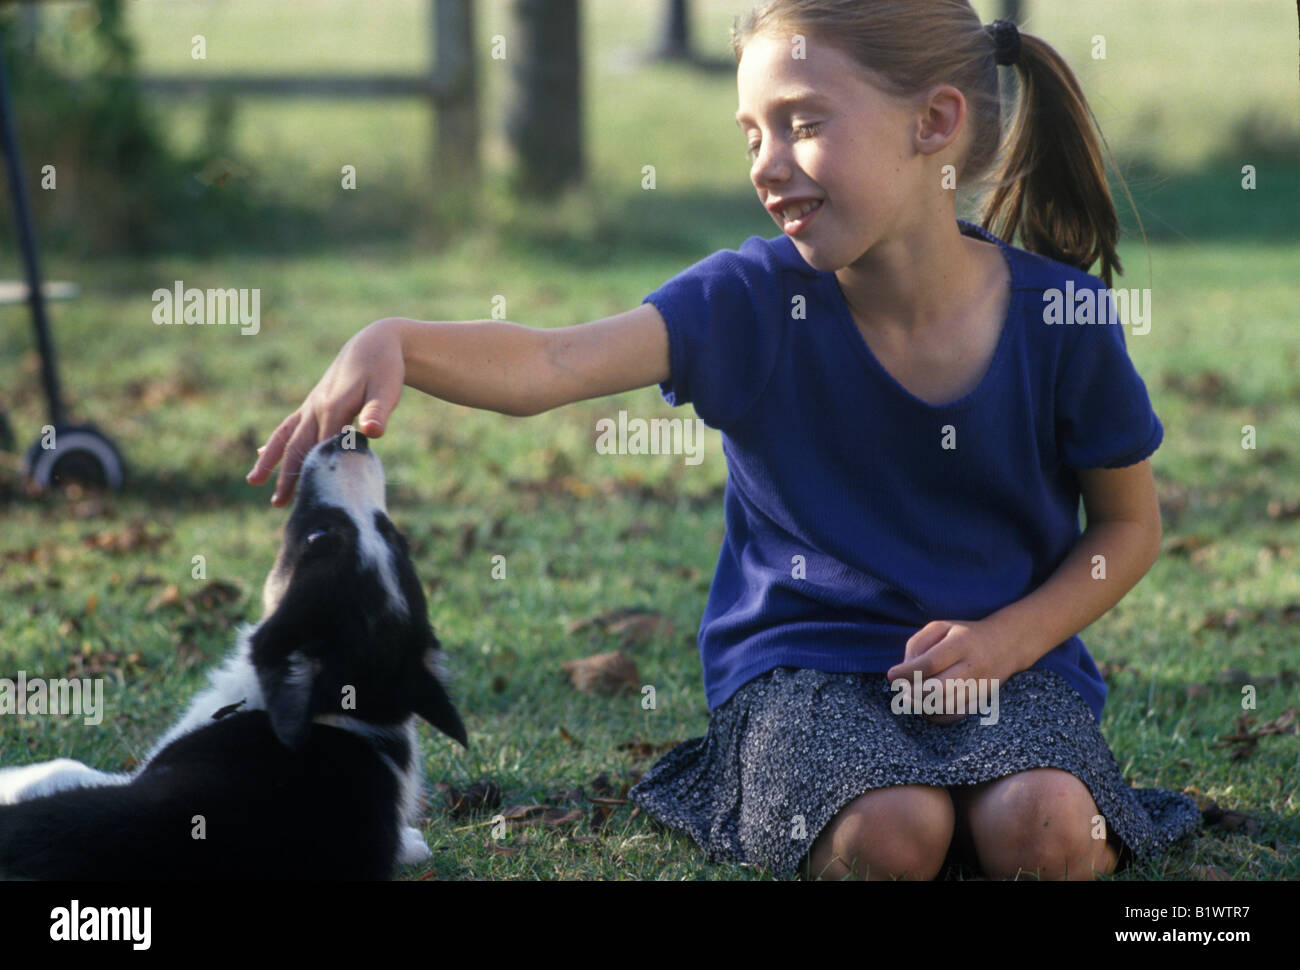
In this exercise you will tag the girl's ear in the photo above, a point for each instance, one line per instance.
(942, 117)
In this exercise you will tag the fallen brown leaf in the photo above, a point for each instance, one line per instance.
(605, 673)
(558, 816)
(1283, 509)
(1185, 544)
(1246, 736)
(639, 749)
(482, 796)
(134, 536)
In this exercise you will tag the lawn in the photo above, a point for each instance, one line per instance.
(93, 585)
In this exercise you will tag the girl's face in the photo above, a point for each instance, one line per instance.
(820, 134)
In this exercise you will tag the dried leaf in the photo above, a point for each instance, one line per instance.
(1283, 509)
(635, 530)
(559, 816)
(134, 536)
(642, 628)
(640, 750)
(1235, 676)
(606, 673)
(1185, 544)
(482, 796)
(170, 596)
(1228, 620)
(523, 813)
(600, 816)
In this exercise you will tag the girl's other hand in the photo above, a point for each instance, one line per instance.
(946, 650)
(367, 377)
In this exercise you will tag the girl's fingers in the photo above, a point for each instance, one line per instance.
(935, 660)
(381, 399)
(269, 454)
(295, 451)
(926, 637)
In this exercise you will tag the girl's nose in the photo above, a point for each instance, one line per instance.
(770, 165)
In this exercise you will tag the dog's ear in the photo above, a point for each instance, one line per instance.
(430, 701)
(287, 689)
(287, 678)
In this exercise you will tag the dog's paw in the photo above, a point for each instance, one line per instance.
(412, 848)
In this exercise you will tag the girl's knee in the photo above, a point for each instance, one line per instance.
(888, 833)
(1041, 823)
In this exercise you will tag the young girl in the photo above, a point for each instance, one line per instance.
(910, 417)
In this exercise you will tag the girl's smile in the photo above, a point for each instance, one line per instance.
(795, 214)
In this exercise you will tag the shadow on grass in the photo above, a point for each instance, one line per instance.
(1205, 205)
(1210, 204)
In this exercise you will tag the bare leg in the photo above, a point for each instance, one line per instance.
(1040, 824)
(888, 833)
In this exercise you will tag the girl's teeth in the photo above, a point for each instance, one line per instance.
(793, 214)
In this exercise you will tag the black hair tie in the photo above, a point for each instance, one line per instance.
(1006, 42)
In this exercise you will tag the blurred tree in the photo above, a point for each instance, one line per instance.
(675, 40)
(544, 120)
(119, 183)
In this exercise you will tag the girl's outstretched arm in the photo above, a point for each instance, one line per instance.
(491, 364)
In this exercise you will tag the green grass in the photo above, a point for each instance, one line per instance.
(188, 406)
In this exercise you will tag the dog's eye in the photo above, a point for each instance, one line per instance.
(316, 534)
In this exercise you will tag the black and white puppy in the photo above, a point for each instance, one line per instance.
(300, 758)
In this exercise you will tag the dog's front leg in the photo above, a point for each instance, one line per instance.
(413, 848)
(24, 783)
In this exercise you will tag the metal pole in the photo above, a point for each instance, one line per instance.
(27, 244)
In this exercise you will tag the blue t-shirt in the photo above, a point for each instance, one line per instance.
(830, 459)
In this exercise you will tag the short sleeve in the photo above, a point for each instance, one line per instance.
(725, 317)
(1103, 413)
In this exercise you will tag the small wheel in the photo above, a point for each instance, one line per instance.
(80, 454)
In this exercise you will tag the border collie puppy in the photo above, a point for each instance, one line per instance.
(300, 758)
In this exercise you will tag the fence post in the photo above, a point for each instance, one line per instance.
(454, 92)
(544, 122)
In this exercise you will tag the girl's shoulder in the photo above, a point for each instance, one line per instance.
(1034, 271)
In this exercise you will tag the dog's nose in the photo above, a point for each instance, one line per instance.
(346, 441)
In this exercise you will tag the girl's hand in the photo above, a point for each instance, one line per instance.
(366, 376)
(946, 650)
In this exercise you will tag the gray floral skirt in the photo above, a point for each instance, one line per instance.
(792, 747)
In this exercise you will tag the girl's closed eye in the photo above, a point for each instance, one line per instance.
(798, 131)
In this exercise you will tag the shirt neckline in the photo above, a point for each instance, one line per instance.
(850, 330)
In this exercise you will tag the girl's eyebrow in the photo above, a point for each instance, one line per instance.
(786, 101)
